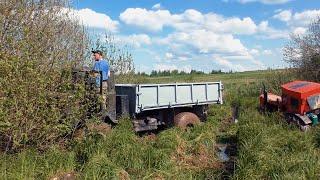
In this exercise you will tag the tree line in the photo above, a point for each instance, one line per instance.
(155, 73)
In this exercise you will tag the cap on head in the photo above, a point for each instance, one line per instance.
(97, 51)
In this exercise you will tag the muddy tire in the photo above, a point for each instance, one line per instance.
(303, 127)
(186, 119)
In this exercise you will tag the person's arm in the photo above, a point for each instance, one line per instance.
(95, 71)
(108, 70)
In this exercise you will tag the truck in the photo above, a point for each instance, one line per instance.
(151, 106)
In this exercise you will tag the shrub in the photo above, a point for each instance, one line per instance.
(39, 46)
(303, 52)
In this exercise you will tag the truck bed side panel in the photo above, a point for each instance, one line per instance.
(157, 96)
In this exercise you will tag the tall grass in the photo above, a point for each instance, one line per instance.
(267, 147)
(171, 154)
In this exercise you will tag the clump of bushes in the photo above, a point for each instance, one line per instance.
(39, 104)
(302, 52)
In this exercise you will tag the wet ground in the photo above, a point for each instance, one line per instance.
(226, 147)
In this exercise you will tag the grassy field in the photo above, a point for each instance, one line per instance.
(264, 146)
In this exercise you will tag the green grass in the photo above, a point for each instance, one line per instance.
(267, 147)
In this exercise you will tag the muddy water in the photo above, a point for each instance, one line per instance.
(223, 157)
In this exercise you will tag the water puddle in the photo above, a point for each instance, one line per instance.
(222, 155)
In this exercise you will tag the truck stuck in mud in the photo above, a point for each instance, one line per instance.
(151, 106)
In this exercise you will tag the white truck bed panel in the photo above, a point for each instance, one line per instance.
(158, 96)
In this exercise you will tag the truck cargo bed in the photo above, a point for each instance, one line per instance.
(144, 97)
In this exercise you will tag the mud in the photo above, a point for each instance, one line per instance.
(64, 176)
(226, 148)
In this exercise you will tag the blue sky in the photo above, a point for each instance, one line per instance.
(238, 35)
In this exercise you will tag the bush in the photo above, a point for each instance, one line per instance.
(39, 105)
(303, 52)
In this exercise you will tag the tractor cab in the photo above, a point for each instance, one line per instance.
(300, 97)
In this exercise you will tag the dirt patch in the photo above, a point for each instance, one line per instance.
(228, 144)
(79, 134)
(150, 137)
(229, 166)
(225, 124)
(200, 158)
(64, 176)
(123, 175)
(102, 128)
(228, 162)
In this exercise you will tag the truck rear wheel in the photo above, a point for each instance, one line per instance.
(186, 119)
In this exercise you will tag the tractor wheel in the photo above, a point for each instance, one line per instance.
(303, 127)
(186, 119)
(289, 118)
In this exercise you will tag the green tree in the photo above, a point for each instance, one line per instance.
(118, 56)
(40, 44)
(303, 52)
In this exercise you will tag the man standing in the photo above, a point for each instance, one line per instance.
(102, 66)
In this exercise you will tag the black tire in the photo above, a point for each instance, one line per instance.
(186, 119)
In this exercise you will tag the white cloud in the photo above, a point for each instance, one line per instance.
(168, 55)
(283, 15)
(134, 40)
(265, 1)
(267, 32)
(299, 31)
(190, 19)
(304, 18)
(227, 65)
(297, 22)
(150, 20)
(156, 6)
(197, 33)
(254, 52)
(297, 19)
(199, 39)
(93, 19)
(232, 63)
(202, 35)
(162, 67)
(267, 52)
(230, 25)
(138, 39)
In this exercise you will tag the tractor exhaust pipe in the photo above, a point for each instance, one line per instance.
(265, 95)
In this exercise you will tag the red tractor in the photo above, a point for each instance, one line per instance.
(299, 102)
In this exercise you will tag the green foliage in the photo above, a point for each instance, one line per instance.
(271, 149)
(302, 52)
(39, 104)
(267, 148)
(118, 55)
(36, 109)
(29, 164)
